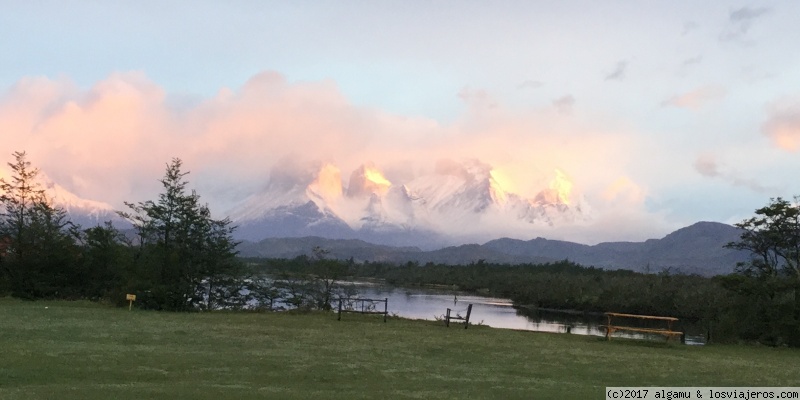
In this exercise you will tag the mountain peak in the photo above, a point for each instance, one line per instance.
(328, 183)
(68, 200)
(559, 190)
(366, 180)
(80, 211)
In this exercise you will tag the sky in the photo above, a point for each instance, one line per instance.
(661, 114)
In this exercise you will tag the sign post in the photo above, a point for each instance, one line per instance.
(131, 298)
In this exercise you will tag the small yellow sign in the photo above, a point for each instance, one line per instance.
(131, 298)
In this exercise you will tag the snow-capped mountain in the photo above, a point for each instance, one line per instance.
(454, 203)
(293, 204)
(457, 200)
(83, 212)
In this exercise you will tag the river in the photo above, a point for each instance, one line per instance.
(431, 304)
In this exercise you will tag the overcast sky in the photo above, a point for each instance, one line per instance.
(660, 113)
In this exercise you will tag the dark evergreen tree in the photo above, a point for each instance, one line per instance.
(40, 251)
(183, 254)
(105, 262)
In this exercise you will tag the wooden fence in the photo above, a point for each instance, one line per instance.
(362, 306)
(448, 317)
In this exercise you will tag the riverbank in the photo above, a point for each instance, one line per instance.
(431, 304)
(84, 350)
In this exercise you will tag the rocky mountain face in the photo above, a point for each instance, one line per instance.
(696, 249)
(455, 203)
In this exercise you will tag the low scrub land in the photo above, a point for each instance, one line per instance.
(84, 350)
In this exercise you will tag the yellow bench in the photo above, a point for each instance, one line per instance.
(611, 328)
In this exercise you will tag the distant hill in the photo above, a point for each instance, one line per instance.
(696, 249)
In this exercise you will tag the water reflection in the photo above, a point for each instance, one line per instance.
(431, 304)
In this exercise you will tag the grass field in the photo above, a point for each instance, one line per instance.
(79, 350)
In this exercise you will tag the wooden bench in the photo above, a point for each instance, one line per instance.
(611, 328)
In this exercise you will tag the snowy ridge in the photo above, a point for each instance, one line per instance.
(71, 203)
(456, 199)
(81, 211)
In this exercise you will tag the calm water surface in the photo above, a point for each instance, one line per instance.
(431, 304)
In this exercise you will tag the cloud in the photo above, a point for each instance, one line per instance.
(688, 27)
(692, 61)
(530, 84)
(618, 73)
(111, 142)
(754, 74)
(94, 136)
(696, 98)
(783, 124)
(747, 14)
(707, 165)
(477, 98)
(740, 22)
(564, 104)
(626, 189)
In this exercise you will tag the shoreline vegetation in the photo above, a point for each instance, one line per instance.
(563, 287)
(80, 349)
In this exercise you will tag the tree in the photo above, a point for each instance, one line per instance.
(39, 240)
(263, 290)
(19, 195)
(105, 262)
(325, 273)
(183, 253)
(772, 275)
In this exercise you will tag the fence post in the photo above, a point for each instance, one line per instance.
(339, 317)
(469, 311)
(385, 308)
(447, 318)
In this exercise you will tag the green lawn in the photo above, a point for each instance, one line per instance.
(79, 350)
